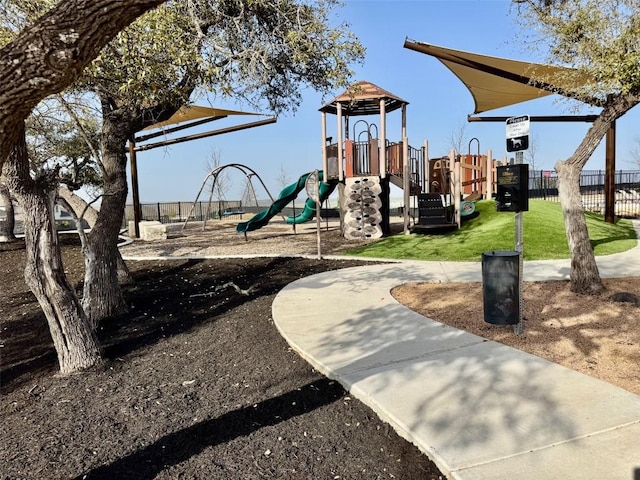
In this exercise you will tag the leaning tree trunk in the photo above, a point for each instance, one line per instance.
(90, 214)
(585, 277)
(7, 227)
(73, 338)
(584, 270)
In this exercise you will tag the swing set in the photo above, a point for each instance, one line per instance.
(224, 208)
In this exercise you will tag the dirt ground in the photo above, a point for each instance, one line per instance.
(199, 385)
(220, 238)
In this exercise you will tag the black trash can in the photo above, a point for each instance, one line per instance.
(500, 287)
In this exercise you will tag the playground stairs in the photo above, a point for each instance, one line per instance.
(398, 181)
(433, 214)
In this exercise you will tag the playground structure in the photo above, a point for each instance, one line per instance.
(363, 163)
(287, 195)
(216, 188)
(365, 167)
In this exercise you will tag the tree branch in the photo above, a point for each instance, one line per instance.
(50, 54)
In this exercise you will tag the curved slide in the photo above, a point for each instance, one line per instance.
(287, 195)
(309, 210)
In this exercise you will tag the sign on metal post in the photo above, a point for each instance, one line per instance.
(517, 129)
(312, 186)
(518, 329)
(517, 133)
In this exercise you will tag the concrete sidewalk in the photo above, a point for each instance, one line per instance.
(478, 409)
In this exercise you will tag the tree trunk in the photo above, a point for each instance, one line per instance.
(584, 276)
(102, 296)
(584, 270)
(90, 214)
(8, 225)
(74, 340)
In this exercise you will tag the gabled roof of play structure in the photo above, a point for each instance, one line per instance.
(364, 99)
(194, 112)
(498, 82)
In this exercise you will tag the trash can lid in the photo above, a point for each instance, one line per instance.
(501, 253)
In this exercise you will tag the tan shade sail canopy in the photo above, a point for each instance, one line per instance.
(364, 99)
(499, 82)
(194, 112)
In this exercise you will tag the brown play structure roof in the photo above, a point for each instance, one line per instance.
(498, 82)
(364, 99)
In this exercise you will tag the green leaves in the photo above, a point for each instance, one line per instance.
(145, 63)
(600, 38)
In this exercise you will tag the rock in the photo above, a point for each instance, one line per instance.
(625, 297)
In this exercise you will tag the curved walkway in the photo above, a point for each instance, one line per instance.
(478, 409)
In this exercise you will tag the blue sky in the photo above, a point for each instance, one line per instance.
(438, 103)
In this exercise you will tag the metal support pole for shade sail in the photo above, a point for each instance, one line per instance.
(137, 214)
(610, 174)
(538, 118)
(166, 131)
(197, 136)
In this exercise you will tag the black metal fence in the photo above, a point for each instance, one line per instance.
(178, 212)
(544, 184)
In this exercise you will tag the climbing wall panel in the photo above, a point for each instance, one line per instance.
(362, 208)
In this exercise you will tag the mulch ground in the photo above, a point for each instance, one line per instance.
(198, 384)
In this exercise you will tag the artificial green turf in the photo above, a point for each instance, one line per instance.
(544, 236)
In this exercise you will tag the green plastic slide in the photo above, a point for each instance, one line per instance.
(287, 195)
(309, 210)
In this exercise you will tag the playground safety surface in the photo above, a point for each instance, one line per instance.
(219, 237)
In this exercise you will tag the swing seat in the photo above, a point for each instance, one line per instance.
(229, 213)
